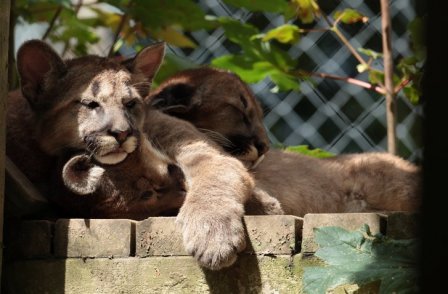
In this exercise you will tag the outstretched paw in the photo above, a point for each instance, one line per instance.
(214, 238)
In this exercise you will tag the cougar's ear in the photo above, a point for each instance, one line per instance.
(176, 98)
(81, 176)
(37, 62)
(147, 61)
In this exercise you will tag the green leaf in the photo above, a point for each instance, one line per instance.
(238, 32)
(417, 31)
(159, 14)
(171, 65)
(357, 257)
(286, 33)
(304, 149)
(284, 81)
(371, 53)
(350, 16)
(376, 77)
(278, 6)
(412, 93)
(306, 10)
(247, 69)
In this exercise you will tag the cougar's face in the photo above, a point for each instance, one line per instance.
(89, 103)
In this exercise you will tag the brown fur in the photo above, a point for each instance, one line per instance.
(137, 188)
(60, 94)
(302, 184)
(346, 183)
(133, 188)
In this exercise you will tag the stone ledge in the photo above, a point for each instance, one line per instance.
(159, 236)
(250, 274)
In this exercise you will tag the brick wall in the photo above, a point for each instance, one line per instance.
(124, 256)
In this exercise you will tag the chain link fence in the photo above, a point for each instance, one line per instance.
(332, 115)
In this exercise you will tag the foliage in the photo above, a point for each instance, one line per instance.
(359, 258)
(304, 149)
(261, 55)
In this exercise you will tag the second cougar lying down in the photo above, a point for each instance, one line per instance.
(222, 106)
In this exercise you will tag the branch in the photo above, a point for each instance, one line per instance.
(344, 40)
(349, 80)
(391, 107)
(117, 33)
(52, 22)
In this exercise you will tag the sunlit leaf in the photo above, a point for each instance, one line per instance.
(362, 67)
(371, 53)
(286, 33)
(304, 149)
(306, 10)
(174, 37)
(250, 71)
(349, 16)
(284, 81)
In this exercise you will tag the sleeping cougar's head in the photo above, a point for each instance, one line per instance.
(219, 104)
(88, 103)
(139, 187)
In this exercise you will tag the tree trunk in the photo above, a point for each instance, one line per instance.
(4, 44)
(391, 105)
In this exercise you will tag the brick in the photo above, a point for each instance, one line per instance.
(180, 274)
(158, 236)
(28, 239)
(403, 225)
(274, 234)
(93, 238)
(348, 221)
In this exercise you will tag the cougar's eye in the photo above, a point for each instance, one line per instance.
(146, 195)
(90, 104)
(131, 104)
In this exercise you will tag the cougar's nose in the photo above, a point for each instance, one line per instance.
(119, 135)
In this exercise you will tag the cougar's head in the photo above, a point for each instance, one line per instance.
(218, 103)
(139, 187)
(90, 103)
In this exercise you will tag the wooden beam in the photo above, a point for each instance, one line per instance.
(5, 6)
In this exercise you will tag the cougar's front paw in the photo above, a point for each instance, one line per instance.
(213, 237)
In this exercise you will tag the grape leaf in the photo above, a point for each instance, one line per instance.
(357, 257)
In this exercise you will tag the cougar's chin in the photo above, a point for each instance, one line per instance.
(117, 154)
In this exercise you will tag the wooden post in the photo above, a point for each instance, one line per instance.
(4, 44)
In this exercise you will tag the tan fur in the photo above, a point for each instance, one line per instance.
(302, 184)
(60, 94)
